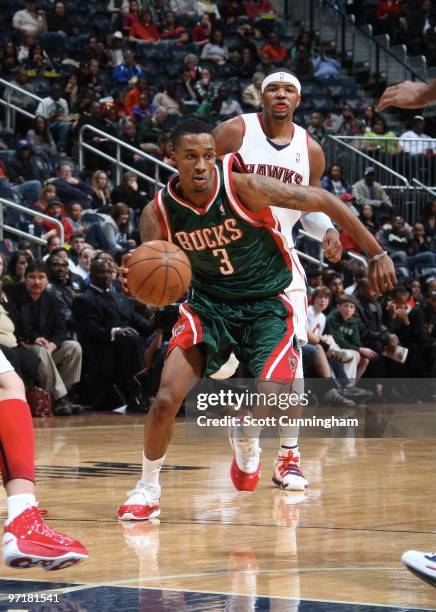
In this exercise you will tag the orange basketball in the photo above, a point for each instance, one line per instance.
(159, 273)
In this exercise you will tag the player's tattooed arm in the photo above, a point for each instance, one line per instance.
(149, 225)
(257, 192)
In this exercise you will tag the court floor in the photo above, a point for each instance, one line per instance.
(335, 548)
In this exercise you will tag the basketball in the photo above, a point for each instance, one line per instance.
(159, 273)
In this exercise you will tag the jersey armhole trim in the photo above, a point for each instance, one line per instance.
(244, 127)
(162, 215)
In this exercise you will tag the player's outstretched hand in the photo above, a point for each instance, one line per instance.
(405, 95)
(381, 275)
(332, 246)
(122, 272)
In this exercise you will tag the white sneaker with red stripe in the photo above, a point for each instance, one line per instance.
(287, 471)
(29, 542)
(142, 503)
(245, 468)
(421, 564)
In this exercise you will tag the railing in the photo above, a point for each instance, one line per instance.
(395, 171)
(27, 211)
(12, 109)
(117, 161)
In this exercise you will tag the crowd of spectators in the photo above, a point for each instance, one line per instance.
(131, 70)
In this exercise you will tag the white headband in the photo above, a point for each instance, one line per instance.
(281, 77)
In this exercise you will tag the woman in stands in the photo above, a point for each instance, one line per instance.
(367, 217)
(16, 268)
(101, 195)
(40, 138)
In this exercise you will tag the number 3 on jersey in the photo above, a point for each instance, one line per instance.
(226, 267)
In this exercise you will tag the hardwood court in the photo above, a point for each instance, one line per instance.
(369, 500)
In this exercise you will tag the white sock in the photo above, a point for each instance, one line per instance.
(151, 470)
(18, 503)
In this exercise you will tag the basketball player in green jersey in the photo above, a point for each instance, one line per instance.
(221, 219)
(409, 94)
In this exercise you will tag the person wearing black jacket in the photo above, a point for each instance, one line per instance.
(40, 326)
(113, 337)
(61, 287)
(71, 189)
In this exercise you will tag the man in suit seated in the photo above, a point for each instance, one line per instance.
(40, 326)
(114, 340)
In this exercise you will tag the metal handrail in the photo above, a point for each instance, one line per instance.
(314, 260)
(422, 186)
(372, 161)
(33, 213)
(117, 160)
(6, 101)
(349, 253)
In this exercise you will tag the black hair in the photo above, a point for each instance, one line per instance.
(57, 251)
(189, 126)
(36, 266)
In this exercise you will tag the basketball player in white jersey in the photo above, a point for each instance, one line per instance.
(270, 144)
(410, 94)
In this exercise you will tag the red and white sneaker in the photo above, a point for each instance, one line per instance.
(421, 564)
(29, 542)
(287, 471)
(142, 503)
(245, 468)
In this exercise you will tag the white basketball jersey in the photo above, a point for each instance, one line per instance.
(289, 164)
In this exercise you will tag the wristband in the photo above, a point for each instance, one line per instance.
(377, 256)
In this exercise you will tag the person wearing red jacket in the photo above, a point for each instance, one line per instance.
(56, 210)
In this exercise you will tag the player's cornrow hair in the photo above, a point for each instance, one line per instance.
(189, 126)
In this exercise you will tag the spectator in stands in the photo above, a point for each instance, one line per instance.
(201, 32)
(429, 311)
(366, 216)
(95, 50)
(116, 50)
(69, 188)
(226, 105)
(144, 108)
(344, 124)
(417, 24)
(41, 327)
(144, 30)
(184, 8)
(55, 109)
(396, 241)
(9, 58)
(231, 9)
(21, 99)
(301, 64)
(336, 285)
(415, 141)
(430, 40)
(56, 210)
(22, 171)
(388, 18)
(316, 128)
(420, 242)
(207, 90)
(40, 139)
(387, 141)
(53, 244)
(122, 231)
(251, 94)
(118, 9)
(327, 70)
(30, 19)
(133, 16)
(369, 309)
(367, 120)
(344, 327)
(416, 297)
(92, 77)
(77, 244)
(368, 191)
(83, 267)
(113, 337)
(274, 52)
(128, 192)
(334, 182)
(47, 193)
(125, 72)
(257, 9)
(16, 268)
(64, 289)
(171, 30)
(58, 21)
(215, 50)
(71, 92)
(429, 219)
(187, 92)
(170, 99)
(132, 96)
(101, 195)
(244, 63)
(129, 135)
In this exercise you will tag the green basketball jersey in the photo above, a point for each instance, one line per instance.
(235, 254)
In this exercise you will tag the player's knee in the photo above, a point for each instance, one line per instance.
(166, 405)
